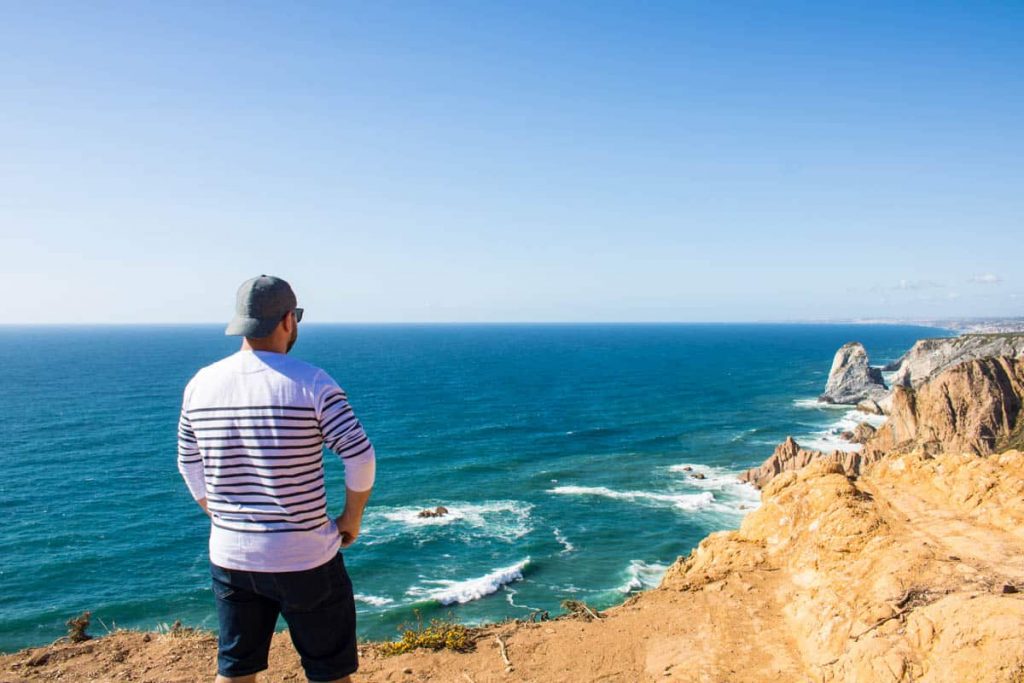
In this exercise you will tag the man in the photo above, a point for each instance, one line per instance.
(250, 448)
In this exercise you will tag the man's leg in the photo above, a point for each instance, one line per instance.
(246, 619)
(320, 610)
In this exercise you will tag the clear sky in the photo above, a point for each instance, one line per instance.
(550, 161)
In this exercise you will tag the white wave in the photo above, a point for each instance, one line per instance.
(506, 520)
(818, 405)
(642, 575)
(567, 547)
(511, 593)
(830, 438)
(731, 494)
(374, 600)
(449, 592)
(681, 501)
(743, 435)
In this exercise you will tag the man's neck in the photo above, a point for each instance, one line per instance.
(261, 345)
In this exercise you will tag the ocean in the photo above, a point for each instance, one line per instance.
(560, 451)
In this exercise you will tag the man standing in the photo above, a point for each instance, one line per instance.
(250, 448)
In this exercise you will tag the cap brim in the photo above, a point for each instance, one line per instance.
(254, 328)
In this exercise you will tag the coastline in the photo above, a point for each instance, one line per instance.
(669, 495)
(912, 553)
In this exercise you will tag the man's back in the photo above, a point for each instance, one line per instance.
(251, 435)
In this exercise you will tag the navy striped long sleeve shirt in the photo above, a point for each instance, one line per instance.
(250, 441)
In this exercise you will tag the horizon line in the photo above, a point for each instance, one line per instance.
(925, 322)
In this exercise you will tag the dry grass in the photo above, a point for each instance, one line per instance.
(439, 634)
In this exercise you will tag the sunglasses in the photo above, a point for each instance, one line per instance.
(298, 314)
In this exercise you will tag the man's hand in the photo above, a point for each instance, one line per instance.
(349, 521)
(348, 527)
(202, 504)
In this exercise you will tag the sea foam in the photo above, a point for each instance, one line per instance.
(373, 600)
(830, 438)
(642, 575)
(731, 494)
(681, 501)
(449, 592)
(506, 520)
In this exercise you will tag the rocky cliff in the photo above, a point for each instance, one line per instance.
(851, 379)
(788, 457)
(929, 357)
(908, 573)
(975, 407)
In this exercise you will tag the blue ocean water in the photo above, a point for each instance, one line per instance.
(559, 449)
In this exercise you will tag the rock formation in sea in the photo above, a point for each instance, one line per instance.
(974, 407)
(852, 379)
(929, 357)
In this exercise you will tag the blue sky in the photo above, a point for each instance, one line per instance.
(467, 161)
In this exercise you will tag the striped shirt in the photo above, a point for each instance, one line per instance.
(250, 441)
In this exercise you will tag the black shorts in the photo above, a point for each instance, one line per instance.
(317, 604)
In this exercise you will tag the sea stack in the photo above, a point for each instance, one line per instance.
(851, 379)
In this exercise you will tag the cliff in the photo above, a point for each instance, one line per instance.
(930, 357)
(973, 407)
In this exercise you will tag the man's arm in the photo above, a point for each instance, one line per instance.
(350, 521)
(344, 435)
(190, 461)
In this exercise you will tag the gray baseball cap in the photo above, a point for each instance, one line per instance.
(259, 306)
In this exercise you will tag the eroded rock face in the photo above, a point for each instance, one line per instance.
(930, 357)
(974, 407)
(852, 379)
(789, 457)
(896, 576)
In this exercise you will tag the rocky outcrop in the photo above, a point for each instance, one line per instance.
(862, 433)
(870, 406)
(973, 407)
(789, 457)
(851, 379)
(930, 357)
(904, 574)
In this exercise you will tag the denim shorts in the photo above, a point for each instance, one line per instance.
(316, 603)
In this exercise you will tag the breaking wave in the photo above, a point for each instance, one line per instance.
(449, 592)
(642, 575)
(681, 501)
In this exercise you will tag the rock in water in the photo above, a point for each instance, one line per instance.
(439, 511)
(862, 433)
(851, 379)
(870, 406)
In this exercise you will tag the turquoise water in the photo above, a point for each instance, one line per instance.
(558, 448)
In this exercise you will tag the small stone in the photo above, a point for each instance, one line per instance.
(1009, 588)
(407, 670)
(146, 638)
(955, 558)
(698, 475)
